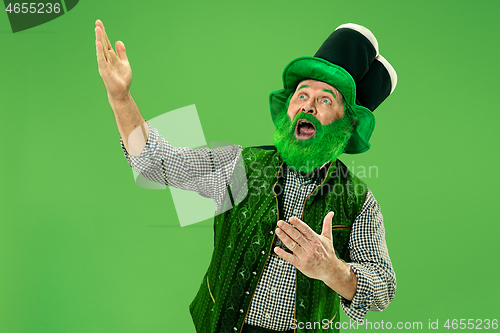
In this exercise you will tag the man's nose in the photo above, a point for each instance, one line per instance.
(309, 108)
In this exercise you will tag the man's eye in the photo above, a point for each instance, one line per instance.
(326, 100)
(302, 96)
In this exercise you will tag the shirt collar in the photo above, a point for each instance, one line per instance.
(317, 175)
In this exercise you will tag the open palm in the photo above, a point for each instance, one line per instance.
(114, 68)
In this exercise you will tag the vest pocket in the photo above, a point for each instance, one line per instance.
(341, 234)
(209, 291)
(341, 227)
(326, 325)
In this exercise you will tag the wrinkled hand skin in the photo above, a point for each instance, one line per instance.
(314, 255)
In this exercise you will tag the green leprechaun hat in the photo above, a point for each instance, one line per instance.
(348, 60)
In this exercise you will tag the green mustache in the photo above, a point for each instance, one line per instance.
(325, 145)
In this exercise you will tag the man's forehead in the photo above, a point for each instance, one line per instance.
(318, 84)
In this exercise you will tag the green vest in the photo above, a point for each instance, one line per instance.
(244, 233)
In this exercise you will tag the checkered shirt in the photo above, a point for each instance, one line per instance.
(207, 172)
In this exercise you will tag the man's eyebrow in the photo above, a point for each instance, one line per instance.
(331, 92)
(303, 86)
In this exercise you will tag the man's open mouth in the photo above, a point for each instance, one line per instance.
(304, 130)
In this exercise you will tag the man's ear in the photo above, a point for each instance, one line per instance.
(349, 114)
(352, 117)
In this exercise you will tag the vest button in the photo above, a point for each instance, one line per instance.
(271, 232)
(254, 273)
(235, 329)
(247, 292)
(263, 252)
(241, 311)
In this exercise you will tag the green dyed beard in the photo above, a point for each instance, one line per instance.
(325, 145)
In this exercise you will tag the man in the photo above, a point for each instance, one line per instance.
(330, 249)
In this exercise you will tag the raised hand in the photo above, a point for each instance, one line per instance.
(114, 68)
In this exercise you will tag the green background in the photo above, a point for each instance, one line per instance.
(83, 249)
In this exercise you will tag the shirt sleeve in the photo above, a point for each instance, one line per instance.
(204, 170)
(370, 262)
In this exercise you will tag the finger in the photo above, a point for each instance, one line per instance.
(106, 39)
(293, 233)
(100, 39)
(98, 33)
(101, 56)
(101, 61)
(289, 242)
(108, 49)
(288, 257)
(121, 51)
(327, 226)
(303, 228)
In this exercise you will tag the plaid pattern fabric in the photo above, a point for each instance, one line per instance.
(207, 172)
(370, 262)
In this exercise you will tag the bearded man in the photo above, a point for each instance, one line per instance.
(330, 251)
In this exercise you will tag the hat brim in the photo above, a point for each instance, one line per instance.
(314, 68)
